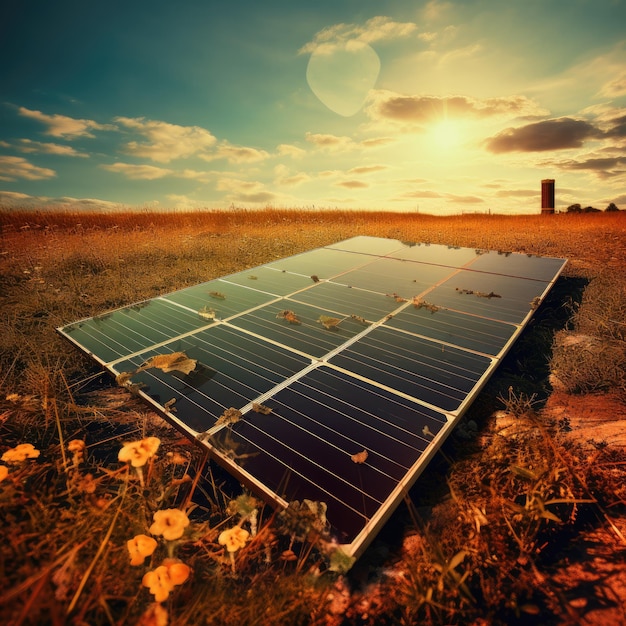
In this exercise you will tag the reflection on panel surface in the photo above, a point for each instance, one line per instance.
(365, 352)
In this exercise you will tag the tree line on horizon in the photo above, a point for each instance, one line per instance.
(577, 208)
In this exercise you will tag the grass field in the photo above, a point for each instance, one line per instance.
(497, 540)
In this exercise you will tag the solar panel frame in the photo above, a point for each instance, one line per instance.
(334, 340)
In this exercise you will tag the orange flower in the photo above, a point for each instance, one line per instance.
(137, 453)
(170, 523)
(158, 582)
(177, 571)
(140, 547)
(20, 453)
(4, 472)
(233, 538)
(162, 580)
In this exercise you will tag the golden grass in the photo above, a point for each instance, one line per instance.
(515, 502)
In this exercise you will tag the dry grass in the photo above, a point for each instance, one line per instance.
(515, 500)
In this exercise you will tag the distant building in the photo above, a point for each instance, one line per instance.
(547, 196)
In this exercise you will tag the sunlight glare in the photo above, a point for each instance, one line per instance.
(446, 134)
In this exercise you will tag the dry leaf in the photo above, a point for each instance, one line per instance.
(261, 408)
(360, 320)
(123, 378)
(218, 295)
(229, 416)
(360, 457)
(174, 362)
(290, 316)
(330, 323)
(315, 278)
(207, 313)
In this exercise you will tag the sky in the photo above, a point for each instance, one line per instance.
(432, 106)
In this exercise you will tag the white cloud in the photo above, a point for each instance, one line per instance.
(29, 146)
(235, 184)
(12, 168)
(200, 176)
(284, 177)
(64, 127)
(165, 141)
(328, 142)
(379, 28)
(236, 154)
(400, 109)
(137, 172)
(285, 149)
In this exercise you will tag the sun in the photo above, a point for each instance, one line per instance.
(446, 134)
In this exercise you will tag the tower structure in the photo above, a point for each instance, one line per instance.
(547, 196)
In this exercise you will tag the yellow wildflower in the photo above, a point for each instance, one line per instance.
(137, 453)
(233, 538)
(177, 571)
(4, 472)
(162, 580)
(158, 582)
(140, 547)
(20, 453)
(77, 447)
(170, 523)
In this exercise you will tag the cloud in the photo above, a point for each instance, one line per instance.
(555, 134)
(379, 28)
(260, 197)
(29, 146)
(236, 184)
(615, 87)
(329, 142)
(200, 176)
(236, 154)
(367, 169)
(464, 199)
(285, 149)
(422, 194)
(285, 178)
(602, 167)
(377, 141)
(352, 184)
(165, 141)
(64, 127)
(14, 199)
(516, 193)
(391, 106)
(12, 168)
(137, 172)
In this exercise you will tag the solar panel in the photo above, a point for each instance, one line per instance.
(333, 375)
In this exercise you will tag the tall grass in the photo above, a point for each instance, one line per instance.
(483, 535)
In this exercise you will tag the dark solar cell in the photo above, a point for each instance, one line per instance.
(367, 352)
